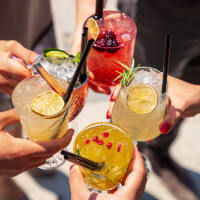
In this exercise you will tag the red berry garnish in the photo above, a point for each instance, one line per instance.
(100, 142)
(95, 139)
(109, 145)
(87, 141)
(119, 148)
(107, 41)
(105, 134)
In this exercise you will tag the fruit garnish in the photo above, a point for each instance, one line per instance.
(105, 134)
(47, 103)
(56, 53)
(119, 148)
(127, 74)
(87, 141)
(107, 41)
(93, 28)
(142, 99)
(95, 139)
(100, 142)
(109, 145)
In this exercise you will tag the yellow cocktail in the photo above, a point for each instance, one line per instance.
(42, 112)
(140, 106)
(107, 143)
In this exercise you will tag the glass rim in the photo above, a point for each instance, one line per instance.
(96, 124)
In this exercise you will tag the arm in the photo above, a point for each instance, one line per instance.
(83, 10)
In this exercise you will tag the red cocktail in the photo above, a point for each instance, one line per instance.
(116, 42)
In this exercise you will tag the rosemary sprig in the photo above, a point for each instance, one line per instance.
(127, 74)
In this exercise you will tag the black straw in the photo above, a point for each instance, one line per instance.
(166, 62)
(77, 72)
(99, 9)
(84, 40)
(79, 160)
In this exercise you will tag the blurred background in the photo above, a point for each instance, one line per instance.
(53, 185)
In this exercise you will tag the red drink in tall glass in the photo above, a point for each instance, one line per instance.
(116, 42)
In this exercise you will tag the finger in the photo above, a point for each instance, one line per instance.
(18, 50)
(110, 109)
(115, 93)
(8, 117)
(7, 80)
(77, 184)
(6, 89)
(99, 89)
(136, 180)
(173, 115)
(17, 69)
(56, 145)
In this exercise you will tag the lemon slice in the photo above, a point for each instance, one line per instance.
(47, 103)
(93, 28)
(142, 99)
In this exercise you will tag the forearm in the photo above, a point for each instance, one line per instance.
(8, 117)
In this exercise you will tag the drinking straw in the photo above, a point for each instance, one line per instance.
(77, 72)
(84, 40)
(99, 9)
(49, 79)
(84, 162)
(166, 62)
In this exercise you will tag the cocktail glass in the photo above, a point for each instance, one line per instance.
(116, 42)
(65, 69)
(140, 116)
(38, 127)
(107, 143)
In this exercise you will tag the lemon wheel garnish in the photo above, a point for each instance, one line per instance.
(142, 99)
(93, 28)
(47, 103)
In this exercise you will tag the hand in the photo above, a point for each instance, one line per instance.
(13, 70)
(132, 189)
(184, 101)
(18, 155)
(7, 118)
(113, 98)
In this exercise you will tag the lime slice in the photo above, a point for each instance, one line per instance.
(56, 53)
(93, 28)
(47, 103)
(142, 99)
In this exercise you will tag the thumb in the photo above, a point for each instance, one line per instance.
(78, 187)
(57, 144)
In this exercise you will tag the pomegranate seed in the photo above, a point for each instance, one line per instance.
(100, 142)
(119, 148)
(109, 145)
(87, 141)
(105, 134)
(95, 139)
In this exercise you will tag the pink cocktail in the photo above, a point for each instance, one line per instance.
(116, 42)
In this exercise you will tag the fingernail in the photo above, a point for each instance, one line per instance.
(108, 115)
(164, 128)
(111, 97)
(72, 168)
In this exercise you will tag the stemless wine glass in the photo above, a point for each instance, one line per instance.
(141, 106)
(40, 127)
(115, 42)
(104, 143)
(65, 68)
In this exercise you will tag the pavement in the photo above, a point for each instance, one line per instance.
(55, 186)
